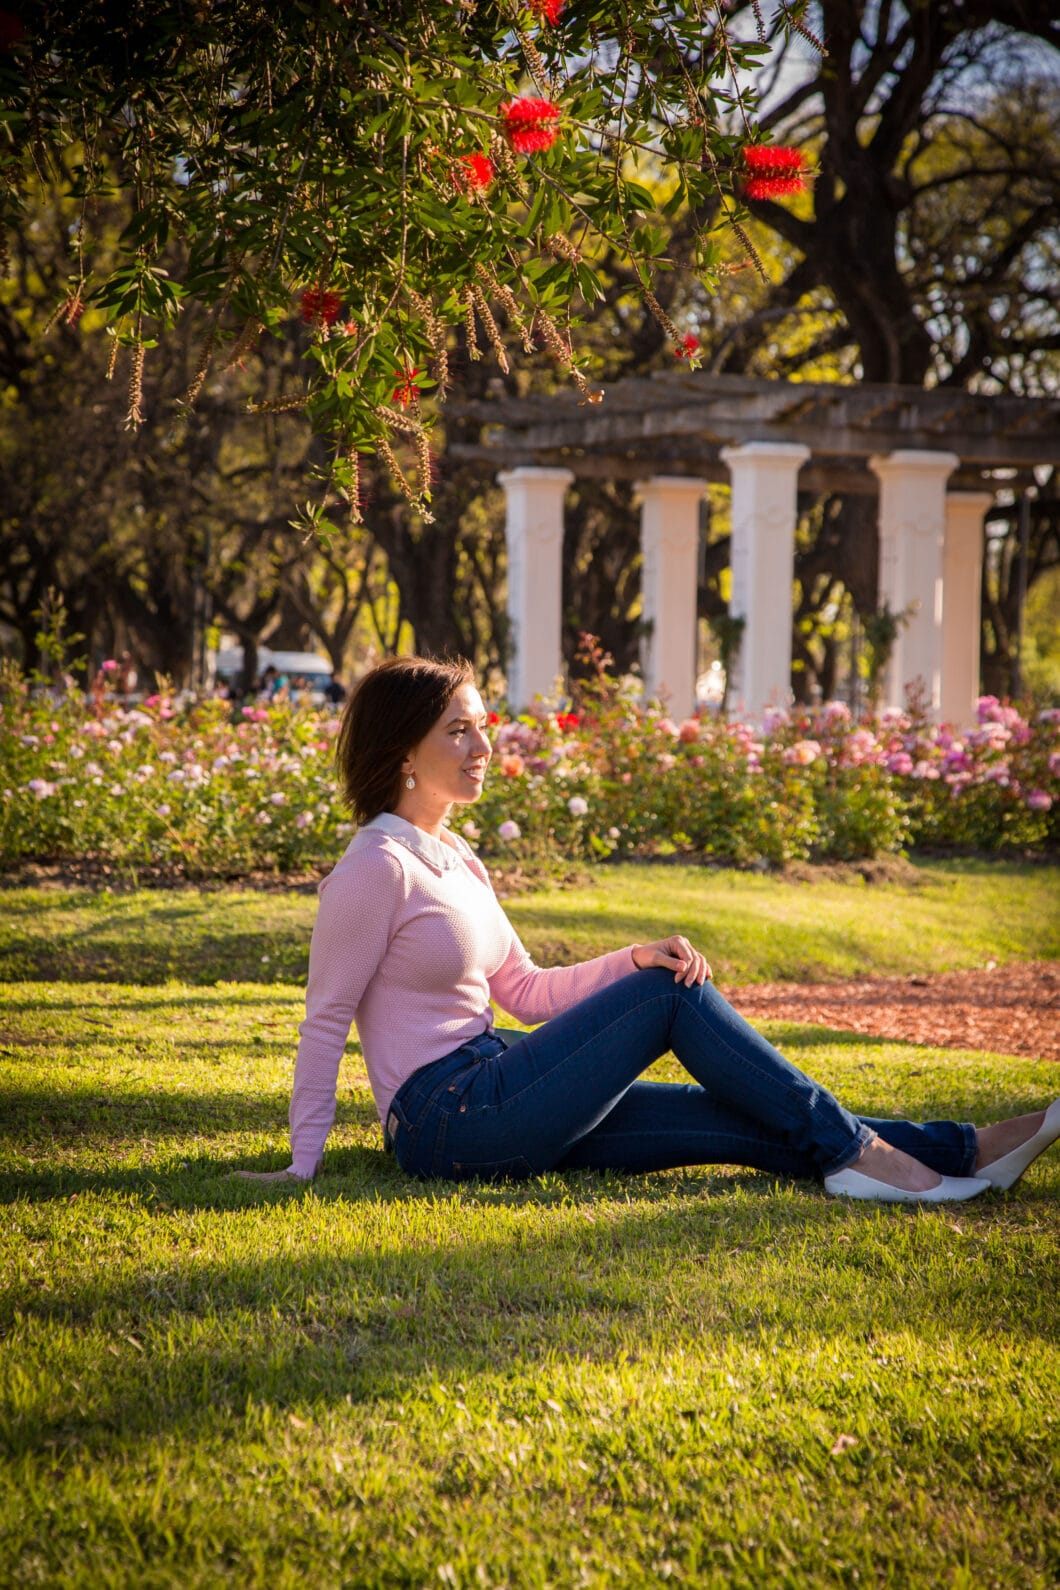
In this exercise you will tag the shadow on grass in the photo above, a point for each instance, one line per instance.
(36, 1116)
(132, 952)
(222, 991)
(372, 1314)
(353, 1288)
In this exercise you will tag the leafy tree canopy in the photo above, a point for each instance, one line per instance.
(388, 170)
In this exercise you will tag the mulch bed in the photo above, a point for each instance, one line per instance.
(1010, 1009)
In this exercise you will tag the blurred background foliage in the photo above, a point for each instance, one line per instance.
(924, 251)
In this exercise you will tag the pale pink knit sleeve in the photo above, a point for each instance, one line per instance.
(354, 925)
(532, 993)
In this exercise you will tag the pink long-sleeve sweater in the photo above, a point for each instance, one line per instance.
(411, 943)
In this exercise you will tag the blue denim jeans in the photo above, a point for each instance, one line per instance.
(566, 1097)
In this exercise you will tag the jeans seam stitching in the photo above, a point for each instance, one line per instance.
(790, 1089)
(571, 1055)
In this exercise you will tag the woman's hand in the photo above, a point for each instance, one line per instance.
(678, 956)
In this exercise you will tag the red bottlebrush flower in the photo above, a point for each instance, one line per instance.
(772, 160)
(772, 172)
(772, 187)
(547, 10)
(687, 348)
(530, 124)
(73, 309)
(407, 390)
(12, 30)
(319, 307)
(474, 174)
(350, 328)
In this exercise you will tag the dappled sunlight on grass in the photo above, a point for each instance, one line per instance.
(754, 927)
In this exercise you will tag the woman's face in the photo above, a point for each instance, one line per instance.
(450, 762)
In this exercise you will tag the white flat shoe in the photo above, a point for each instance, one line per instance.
(951, 1189)
(1006, 1171)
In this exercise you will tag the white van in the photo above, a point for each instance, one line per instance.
(310, 666)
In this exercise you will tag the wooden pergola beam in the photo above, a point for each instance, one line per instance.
(842, 425)
(816, 479)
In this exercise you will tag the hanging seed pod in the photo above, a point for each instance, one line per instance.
(752, 253)
(353, 490)
(473, 349)
(492, 329)
(245, 342)
(135, 417)
(659, 314)
(423, 459)
(55, 316)
(386, 452)
(209, 342)
(562, 248)
(534, 63)
(504, 295)
(435, 336)
(282, 405)
(560, 349)
(793, 16)
(502, 156)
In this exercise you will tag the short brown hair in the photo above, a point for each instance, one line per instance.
(391, 709)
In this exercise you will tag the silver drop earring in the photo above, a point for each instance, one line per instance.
(410, 782)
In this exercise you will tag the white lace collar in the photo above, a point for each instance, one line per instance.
(435, 852)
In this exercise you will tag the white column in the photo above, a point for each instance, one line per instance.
(533, 530)
(669, 538)
(912, 526)
(962, 584)
(765, 478)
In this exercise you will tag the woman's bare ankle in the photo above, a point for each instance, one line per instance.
(995, 1141)
(887, 1164)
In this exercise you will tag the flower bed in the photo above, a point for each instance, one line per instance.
(213, 797)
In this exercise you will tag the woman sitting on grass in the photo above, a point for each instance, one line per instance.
(411, 943)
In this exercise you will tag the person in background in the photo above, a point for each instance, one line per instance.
(127, 678)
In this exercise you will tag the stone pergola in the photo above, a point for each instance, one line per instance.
(935, 460)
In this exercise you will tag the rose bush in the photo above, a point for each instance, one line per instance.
(151, 786)
(196, 791)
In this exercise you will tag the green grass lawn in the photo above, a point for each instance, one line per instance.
(949, 915)
(702, 1377)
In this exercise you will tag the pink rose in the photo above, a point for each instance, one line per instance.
(802, 753)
